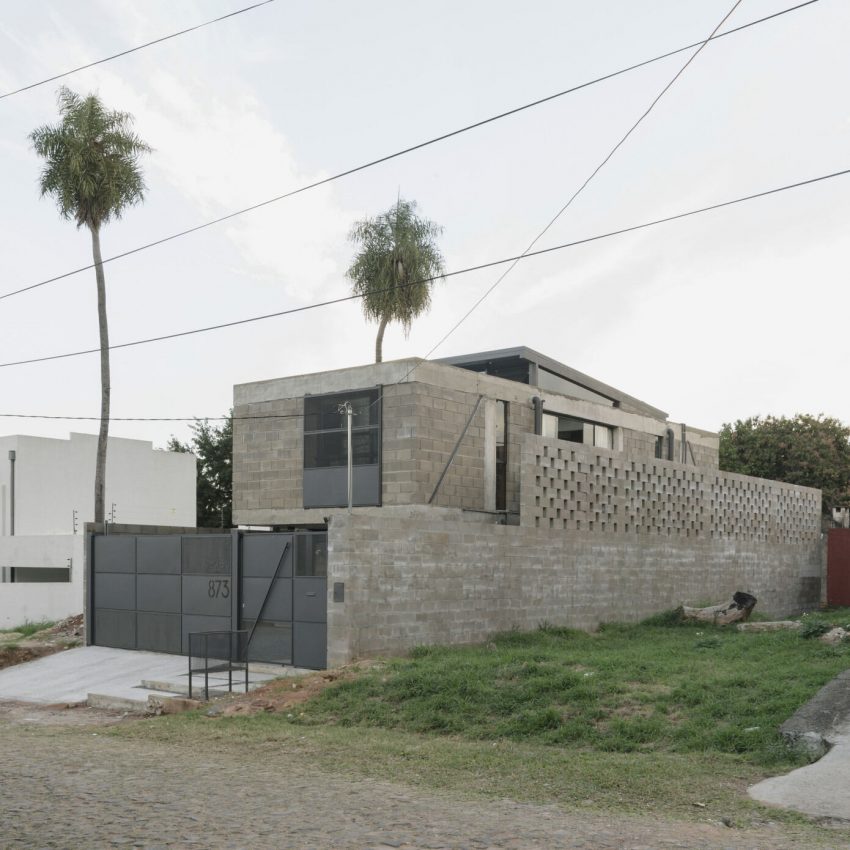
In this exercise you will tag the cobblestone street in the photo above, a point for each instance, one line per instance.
(78, 787)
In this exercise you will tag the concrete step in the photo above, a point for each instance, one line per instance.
(217, 689)
(111, 701)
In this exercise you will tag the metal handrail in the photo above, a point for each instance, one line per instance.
(236, 646)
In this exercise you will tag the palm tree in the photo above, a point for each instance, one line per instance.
(396, 266)
(92, 172)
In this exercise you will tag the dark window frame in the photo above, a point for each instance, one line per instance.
(374, 427)
(502, 462)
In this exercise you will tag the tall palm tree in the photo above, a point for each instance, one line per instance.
(396, 266)
(92, 171)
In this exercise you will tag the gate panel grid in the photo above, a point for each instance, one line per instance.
(149, 592)
(293, 628)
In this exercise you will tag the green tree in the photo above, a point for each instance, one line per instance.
(213, 447)
(813, 451)
(92, 171)
(396, 265)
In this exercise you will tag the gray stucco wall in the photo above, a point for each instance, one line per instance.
(417, 576)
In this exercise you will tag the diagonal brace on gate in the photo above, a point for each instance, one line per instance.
(266, 599)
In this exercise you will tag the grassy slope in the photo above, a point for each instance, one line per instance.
(647, 688)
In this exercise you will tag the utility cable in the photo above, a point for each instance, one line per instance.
(134, 49)
(466, 270)
(153, 418)
(578, 191)
(403, 152)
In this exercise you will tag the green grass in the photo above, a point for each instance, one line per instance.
(665, 719)
(28, 629)
(706, 786)
(655, 687)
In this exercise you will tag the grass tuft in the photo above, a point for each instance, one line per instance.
(28, 629)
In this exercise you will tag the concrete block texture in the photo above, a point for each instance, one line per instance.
(425, 408)
(421, 575)
(573, 487)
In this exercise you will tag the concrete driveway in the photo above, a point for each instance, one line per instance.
(116, 674)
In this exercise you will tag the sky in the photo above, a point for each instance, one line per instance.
(718, 317)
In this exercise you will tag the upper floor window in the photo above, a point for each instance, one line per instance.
(326, 430)
(326, 449)
(578, 430)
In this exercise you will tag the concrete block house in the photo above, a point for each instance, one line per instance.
(504, 489)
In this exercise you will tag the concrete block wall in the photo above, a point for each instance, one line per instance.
(421, 424)
(268, 459)
(444, 413)
(704, 455)
(422, 419)
(420, 575)
(703, 447)
(638, 444)
(572, 487)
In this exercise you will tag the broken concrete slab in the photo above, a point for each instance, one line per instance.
(820, 727)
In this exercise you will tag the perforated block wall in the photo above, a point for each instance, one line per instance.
(577, 488)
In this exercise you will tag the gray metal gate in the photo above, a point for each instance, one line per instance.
(149, 591)
(284, 597)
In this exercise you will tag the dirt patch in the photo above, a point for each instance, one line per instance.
(67, 632)
(283, 695)
(11, 655)
(16, 648)
(72, 714)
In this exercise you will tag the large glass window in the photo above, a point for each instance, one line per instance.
(325, 430)
(331, 448)
(326, 449)
(321, 413)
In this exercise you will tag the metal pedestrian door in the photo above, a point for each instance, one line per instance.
(284, 597)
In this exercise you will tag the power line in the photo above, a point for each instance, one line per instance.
(397, 154)
(152, 418)
(581, 188)
(134, 49)
(466, 270)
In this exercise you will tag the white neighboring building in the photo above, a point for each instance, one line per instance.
(41, 566)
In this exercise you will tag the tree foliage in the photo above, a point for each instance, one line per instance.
(812, 451)
(92, 160)
(396, 265)
(92, 172)
(213, 447)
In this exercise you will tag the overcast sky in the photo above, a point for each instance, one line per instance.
(733, 313)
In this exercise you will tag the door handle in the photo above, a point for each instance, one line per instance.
(310, 593)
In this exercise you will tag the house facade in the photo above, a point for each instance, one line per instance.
(505, 489)
(47, 498)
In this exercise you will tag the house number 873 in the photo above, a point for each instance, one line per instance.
(219, 587)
